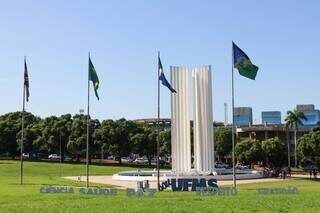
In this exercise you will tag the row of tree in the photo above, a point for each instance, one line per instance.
(268, 152)
(273, 151)
(309, 148)
(68, 134)
(122, 137)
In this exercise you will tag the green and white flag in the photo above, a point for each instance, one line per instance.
(242, 62)
(94, 78)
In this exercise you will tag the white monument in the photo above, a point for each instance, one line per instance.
(203, 153)
(202, 122)
(180, 121)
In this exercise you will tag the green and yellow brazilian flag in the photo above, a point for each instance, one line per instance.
(242, 62)
(94, 78)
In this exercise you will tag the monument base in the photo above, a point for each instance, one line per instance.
(219, 174)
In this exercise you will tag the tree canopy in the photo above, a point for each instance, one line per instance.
(222, 141)
(309, 147)
(274, 151)
(249, 151)
(269, 152)
(119, 138)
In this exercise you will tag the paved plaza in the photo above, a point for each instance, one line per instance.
(107, 179)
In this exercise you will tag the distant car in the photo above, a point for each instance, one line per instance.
(220, 165)
(111, 157)
(25, 155)
(142, 160)
(154, 161)
(7, 154)
(54, 157)
(126, 160)
(67, 158)
(239, 166)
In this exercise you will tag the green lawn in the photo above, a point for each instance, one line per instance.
(27, 198)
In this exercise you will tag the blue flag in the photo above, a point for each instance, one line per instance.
(162, 77)
(242, 62)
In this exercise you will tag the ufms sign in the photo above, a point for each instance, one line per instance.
(184, 184)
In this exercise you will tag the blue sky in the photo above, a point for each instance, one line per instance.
(281, 37)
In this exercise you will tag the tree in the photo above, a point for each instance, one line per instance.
(274, 151)
(31, 133)
(309, 147)
(117, 135)
(144, 141)
(249, 151)
(222, 141)
(50, 135)
(165, 143)
(104, 135)
(10, 125)
(78, 136)
(39, 144)
(293, 120)
(63, 129)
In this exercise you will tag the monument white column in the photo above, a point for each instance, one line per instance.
(203, 120)
(180, 121)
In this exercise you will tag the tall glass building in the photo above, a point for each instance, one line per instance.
(243, 116)
(271, 117)
(312, 115)
(312, 118)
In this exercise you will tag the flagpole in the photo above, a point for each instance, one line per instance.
(22, 126)
(88, 123)
(60, 153)
(233, 126)
(158, 130)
